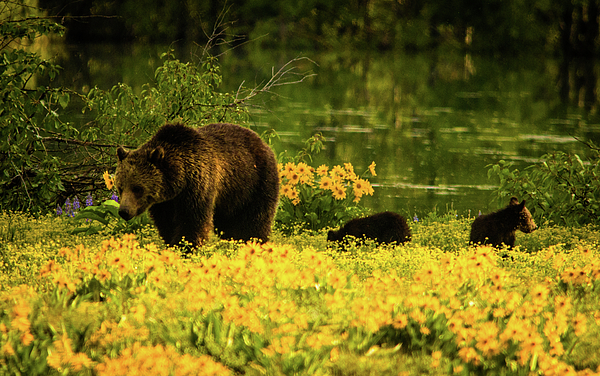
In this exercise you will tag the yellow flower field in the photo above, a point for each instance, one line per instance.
(127, 305)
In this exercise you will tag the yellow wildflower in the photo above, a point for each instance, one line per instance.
(436, 356)
(22, 324)
(302, 168)
(293, 195)
(469, 355)
(539, 293)
(289, 167)
(400, 321)
(326, 183)
(372, 168)
(579, 323)
(7, 349)
(293, 177)
(79, 361)
(322, 170)
(487, 341)
(339, 193)
(285, 190)
(26, 338)
(334, 354)
(108, 180)
(337, 173)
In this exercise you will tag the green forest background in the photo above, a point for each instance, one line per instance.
(497, 27)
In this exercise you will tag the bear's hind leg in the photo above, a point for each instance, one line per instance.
(244, 225)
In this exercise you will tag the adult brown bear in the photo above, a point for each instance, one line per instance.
(500, 227)
(193, 180)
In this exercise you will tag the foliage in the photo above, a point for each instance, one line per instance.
(508, 25)
(180, 92)
(562, 188)
(114, 306)
(107, 214)
(28, 112)
(315, 199)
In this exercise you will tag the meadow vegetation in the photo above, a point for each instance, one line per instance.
(112, 305)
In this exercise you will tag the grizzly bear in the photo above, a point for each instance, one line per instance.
(386, 227)
(499, 227)
(219, 177)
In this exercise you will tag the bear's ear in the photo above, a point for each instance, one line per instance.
(122, 153)
(157, 155)
(513, 201)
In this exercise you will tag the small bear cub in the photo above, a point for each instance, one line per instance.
(499, 227)
(385, 227)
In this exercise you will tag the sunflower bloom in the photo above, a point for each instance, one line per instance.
(293, 177)
(322, 170)
(326, 183)
(339, 193)
(108, 180)
(302, 168)
(337, 173)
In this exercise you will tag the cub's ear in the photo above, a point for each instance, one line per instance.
(157, 155)
(513, 201)
(122, 153)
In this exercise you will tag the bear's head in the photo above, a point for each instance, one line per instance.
(139, 180)
(525, 222)
(334, 235)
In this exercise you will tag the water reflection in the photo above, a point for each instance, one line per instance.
(431, 125)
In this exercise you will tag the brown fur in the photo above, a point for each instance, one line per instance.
(220, 176)
(385, 227)
(500, 227)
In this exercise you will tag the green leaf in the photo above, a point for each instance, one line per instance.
(64, 100)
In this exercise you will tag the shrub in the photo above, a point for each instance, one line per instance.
(561, 189)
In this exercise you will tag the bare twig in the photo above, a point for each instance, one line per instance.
(588, 143)
(286, 75)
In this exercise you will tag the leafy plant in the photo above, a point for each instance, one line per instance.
(105, 218)
(562, 188)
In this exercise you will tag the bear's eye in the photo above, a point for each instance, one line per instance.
(137, 190)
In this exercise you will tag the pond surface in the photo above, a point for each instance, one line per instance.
(432, 122)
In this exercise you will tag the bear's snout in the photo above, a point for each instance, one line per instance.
(125, 214)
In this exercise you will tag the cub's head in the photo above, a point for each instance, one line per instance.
(525, 223)
(139, 180)
(334, 235)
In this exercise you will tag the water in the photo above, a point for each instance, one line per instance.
(433, 123)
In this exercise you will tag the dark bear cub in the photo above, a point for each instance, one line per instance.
(386, 227)
(220, 177)
(499, 227)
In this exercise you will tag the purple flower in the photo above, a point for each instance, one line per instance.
(114, 197)
(88, 200)
(69, 208)
(58, 210)
(479, 214)
(415, 218)
(76, 204)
